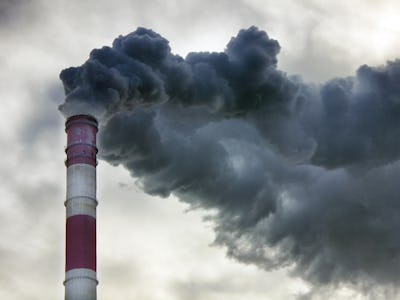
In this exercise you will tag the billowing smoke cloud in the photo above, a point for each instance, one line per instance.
(294, 174)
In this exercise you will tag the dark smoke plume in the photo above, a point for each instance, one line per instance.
(299, 175)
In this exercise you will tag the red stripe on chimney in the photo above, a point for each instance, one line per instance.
(81, 140)
(81, 242)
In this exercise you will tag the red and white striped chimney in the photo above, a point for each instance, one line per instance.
(80, 267)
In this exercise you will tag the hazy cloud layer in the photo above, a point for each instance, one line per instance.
(38, 38)
(298, 174)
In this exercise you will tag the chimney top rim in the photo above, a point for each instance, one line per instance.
(82, 117)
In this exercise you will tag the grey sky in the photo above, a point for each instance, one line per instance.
(149, 248)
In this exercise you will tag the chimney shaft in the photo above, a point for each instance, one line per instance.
(80, 267)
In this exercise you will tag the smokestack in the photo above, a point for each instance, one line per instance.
(80, 268)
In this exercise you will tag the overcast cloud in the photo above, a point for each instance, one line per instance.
(150, 248)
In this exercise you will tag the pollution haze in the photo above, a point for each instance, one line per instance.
(248, 149)
(296, 174)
